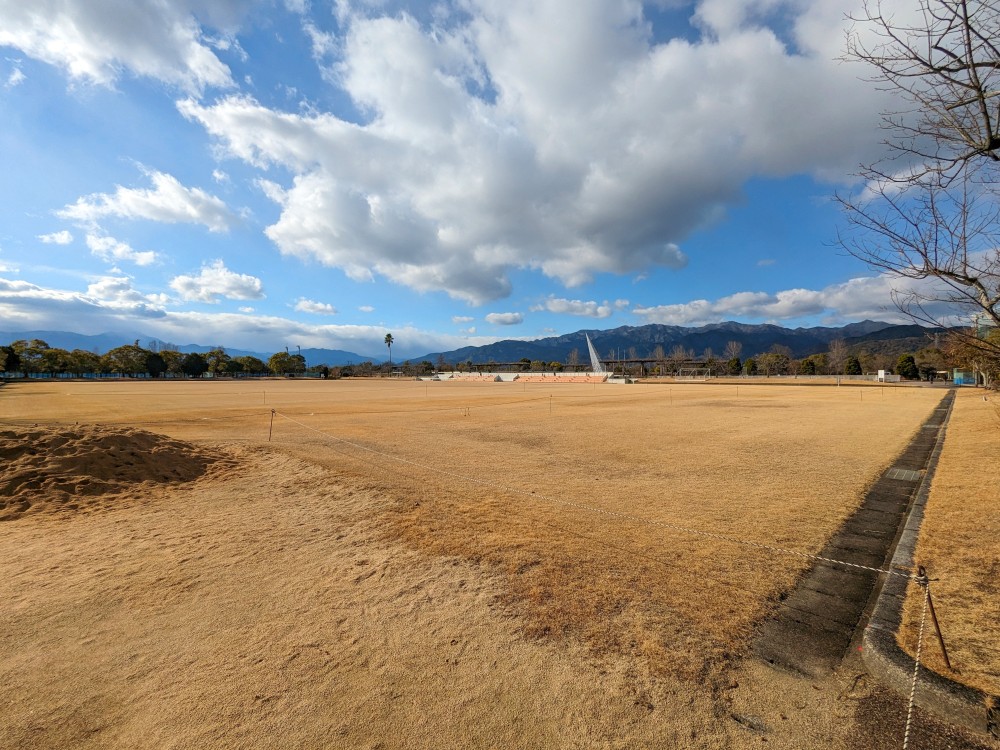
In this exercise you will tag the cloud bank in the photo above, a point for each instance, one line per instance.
(514, 135)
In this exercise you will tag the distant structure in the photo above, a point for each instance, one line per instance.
(595, 362)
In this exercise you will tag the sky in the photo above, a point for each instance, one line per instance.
(318, 173)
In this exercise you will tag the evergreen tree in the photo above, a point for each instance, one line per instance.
(906, 367)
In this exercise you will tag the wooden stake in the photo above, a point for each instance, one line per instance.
(937, 628)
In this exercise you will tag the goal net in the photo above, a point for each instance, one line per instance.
(694, 373)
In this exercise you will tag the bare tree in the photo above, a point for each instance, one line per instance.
(945, 65)
(930, 213)
(944, 239)
(837, 356)
(732, 351)
(660, 356)
(678, 356)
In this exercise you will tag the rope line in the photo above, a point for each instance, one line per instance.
(916, 662)
(594, 509)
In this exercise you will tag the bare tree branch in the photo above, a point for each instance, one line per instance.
(930, 215)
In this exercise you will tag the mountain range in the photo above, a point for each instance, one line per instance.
(103, 342)
(755, 339)
(876, 337)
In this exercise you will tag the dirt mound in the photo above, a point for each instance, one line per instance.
(46, 470)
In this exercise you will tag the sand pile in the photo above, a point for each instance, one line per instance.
(47, 470)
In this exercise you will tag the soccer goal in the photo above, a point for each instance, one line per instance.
(696, 374)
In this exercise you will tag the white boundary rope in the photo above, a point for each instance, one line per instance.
(916, 664)
(602, 511)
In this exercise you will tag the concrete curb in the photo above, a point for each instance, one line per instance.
(959, 704)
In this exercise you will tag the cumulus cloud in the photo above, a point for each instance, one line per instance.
(167, 201)
(111, 303)
(56, 238)
(856, 299)
(118, 293)
(366, 309)
(505, 319)
(95, 42)
(317, 308)
(484, 148)
(461, 319)
(588, 309)
(108, 303)
(215, 281)
(111, 250)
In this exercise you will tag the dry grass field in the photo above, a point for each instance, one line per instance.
(960, 545)
(412, 564)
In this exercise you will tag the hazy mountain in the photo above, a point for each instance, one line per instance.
(103, 342)
(875, 337)
(755, 339)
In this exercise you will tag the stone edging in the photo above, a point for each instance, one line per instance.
(882, 656)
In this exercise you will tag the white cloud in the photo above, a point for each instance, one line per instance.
(579, 307)
(110, 249)
(96, 42)
(530, 134)
(168, 201)
(246, 309)
(856, 299)
(505, 319)
(16, 78)
(214, 281)
(111, 303)
(366, 309)
(764, 262)
(461, 319)
(318, 308)
(117, 292)
(219, 176)
(56, 238)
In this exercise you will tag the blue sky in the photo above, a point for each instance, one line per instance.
(275, 173)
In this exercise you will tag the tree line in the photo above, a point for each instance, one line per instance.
(925, 363)
(35, 356)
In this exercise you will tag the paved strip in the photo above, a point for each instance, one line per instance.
(815, 623)
(907, 475)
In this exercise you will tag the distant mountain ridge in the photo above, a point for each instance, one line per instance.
(877, 337)
(103, 342)
(617, 342)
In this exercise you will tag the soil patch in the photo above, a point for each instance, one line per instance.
(47, 470)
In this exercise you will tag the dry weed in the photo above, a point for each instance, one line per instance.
(959, 544)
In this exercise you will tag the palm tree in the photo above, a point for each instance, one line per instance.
(388, 343)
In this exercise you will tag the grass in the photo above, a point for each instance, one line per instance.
(959, 544)
(484, 472)
(414, 564)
